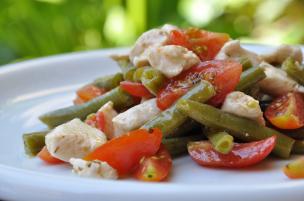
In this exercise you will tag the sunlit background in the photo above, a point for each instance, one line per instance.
(34, 28)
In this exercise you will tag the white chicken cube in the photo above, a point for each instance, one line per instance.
(169, 27)
(281, 53)
(171, 60)
(242, 105)
(95, 168)
(109, 113)
(150, 39)
(135, 117)
(73, 139)
(233, 50)
(141, 48)
(277, 82)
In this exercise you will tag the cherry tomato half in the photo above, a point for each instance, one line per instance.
(135, 89)
(78, 101)
(124, 153)
(295, 169)
(224, 75)
(204, 43)
(89, 92)
(242, 154)
(45, 155)
(156, 167)
(287, 111)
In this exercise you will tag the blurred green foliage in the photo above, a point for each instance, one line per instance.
(33, 28)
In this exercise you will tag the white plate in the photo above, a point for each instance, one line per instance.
(31, 88)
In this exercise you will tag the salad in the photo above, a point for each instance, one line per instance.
(180, 92)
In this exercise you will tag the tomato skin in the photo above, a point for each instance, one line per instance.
(224, 75)
(156, 167)
(100, 121)
(135, 89)
(242, 154)
(225, 79)
(89, 92)
(295, 169)
(204, 43)
(287, 111)
(96, 120)
(178, 37)
(124, 153)
(167, 96)
(78, 101)
(45, 155)
(91, 120)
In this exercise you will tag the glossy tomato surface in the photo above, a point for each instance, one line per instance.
(287, 111)
(156, 167)
(45, 155)
(124, 153)
(242, 154)
(224, 75)
(205, 44)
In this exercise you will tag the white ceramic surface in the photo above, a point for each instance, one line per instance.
(31, 88)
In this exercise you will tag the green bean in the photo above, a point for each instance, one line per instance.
(221, 141)
(298, 147)
(250, 78)
(294, 70)
(255, 92)
(34, 142)
(171, 118)
(152, 79)
(242, 128)
(189, 126)
(297, 134)
(129, 74)
(138, 73)
(120, 99)
(246, 63)
(123, 62)
(125, 66)
(108, 82)
(178, 146)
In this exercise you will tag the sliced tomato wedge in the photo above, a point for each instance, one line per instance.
(89, 92)
(178, 37)
(45, 155)
(100, 121)
(204, 43)
(224, 75)
(97, 120)
(156, 167)
(135, 89)
(295, 169)
(91, 120)
(242, 154)
(124, 153)
(287, 111)
(78, 101)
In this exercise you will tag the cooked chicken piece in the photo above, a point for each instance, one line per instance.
(243, 105)
(277, 82)
(233, 50)
(135, 117)
(95, 168)
(108, 113)
(169, 27)
(141, 48)
(278, 56)
(171, 60)
(73, 139)
(150, 39)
